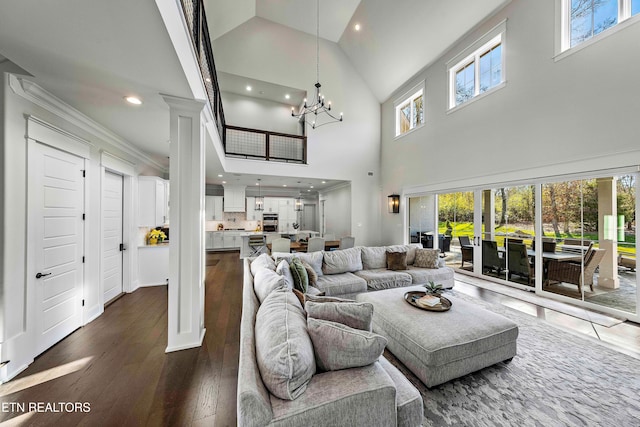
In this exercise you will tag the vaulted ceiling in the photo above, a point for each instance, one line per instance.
(92, 53)
(396, 39)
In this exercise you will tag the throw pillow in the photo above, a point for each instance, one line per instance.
(397, 261)
(263, 261)
(356, 315)
(284, 270)
(374, 257)
(299, 273)
(284, 351)
(342, 261)
(427, 258)
(267, 281)
(314, 259)
(340, 347)
(300, 296)
(312, 290)
(311, 273)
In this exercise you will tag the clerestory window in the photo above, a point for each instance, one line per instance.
(585, 19)
(410, 112)
(477, 72)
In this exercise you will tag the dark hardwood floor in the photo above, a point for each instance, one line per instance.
(118, 365)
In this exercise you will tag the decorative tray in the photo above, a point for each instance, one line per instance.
(413, 296)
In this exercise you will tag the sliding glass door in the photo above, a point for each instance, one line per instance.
(593, 223)
(570, 239)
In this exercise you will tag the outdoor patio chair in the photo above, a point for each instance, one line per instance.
(571, 272)
(466, 249)
(315, 244)
(518, 262)
(491, 260)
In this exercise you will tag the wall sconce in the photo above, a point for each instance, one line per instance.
(394, 203)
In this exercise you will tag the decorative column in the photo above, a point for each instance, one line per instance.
(489, 214)
(187, 249)
(607, 232)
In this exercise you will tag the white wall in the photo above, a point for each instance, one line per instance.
(553, 117)
(254, 113)
(346, 151)
(337, 206)
(17, 340)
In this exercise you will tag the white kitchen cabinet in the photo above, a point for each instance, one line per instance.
(231, 239)
(252, 213)
(153, 265)
(217, 240)
(271, 204)
(213, 208)
(153, 209)
(286, 215)
(234, 198)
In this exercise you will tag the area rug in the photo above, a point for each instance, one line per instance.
(557, 379)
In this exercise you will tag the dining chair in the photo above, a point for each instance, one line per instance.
(518, 262)
(572, 272)
(491, 260)
(466, 250)
(315, 244)
(281, 245)
(347, 242)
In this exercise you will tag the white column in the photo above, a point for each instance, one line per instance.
(607, 232)
(187, 249)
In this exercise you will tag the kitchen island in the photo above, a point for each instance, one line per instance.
(247, 251)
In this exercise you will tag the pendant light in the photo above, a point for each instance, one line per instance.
(259, 199)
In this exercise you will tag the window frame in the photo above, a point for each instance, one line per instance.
(496, 36)
(408, 97)
(563, 44)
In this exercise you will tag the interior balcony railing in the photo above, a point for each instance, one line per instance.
(265, 145)
(237, 141)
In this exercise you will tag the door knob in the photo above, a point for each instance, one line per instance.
(39, 275)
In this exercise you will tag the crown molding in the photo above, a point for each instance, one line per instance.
(41, 97)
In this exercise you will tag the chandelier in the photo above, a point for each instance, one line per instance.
(320, 109)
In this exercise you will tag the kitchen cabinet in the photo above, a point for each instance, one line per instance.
(153, 265)
(271, 204)
(231, 239)
(252, 213)
(153, 201)
(213, 208)
(234, 198)
(286, 215)
(214, 240)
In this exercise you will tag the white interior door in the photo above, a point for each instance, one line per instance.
(111, 236)
(309, 218)
(56, 188)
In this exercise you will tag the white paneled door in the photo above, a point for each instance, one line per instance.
(56, 187)
(112, 236)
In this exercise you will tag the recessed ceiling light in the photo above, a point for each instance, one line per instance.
(357, 27)
(257, 183)
(311, 186)
(224, 182)
(133, 100)
(249, 88)
(284, 185)
(219, 175)
(324, 182)
(287, 96)
(309, 190)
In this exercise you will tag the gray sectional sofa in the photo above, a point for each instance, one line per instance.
(347, 273)
(373, 395)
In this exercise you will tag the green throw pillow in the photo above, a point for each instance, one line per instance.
(299, 273)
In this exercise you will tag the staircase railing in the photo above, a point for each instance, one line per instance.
(237, 141)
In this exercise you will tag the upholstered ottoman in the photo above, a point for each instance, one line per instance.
(440, 346)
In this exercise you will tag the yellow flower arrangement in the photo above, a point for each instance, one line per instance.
(156, 236)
